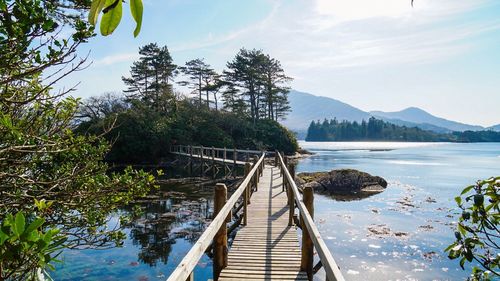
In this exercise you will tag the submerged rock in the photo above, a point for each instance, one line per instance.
(343, 182)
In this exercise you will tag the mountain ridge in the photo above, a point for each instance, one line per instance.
(307, 107)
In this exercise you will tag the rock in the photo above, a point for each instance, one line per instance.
(343, 182)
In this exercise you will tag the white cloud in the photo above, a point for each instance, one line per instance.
(116, 58)
(362, 9)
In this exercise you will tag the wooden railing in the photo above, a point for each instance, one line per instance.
(310, 235)
(215, 235)
(214, 152)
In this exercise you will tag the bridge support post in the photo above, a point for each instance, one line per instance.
(235, 157)
(224, 163)
(291, 169)
(291, 205)
(276, 159)
(190, 160)
(306, 263)
(246, 197)
(220, 239)
(256, 175)
(213, 163)
(190, 277)
(201, 162)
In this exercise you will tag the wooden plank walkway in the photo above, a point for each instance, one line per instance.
(267, 248)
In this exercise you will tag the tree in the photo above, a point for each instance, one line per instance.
(42, 160)
(202, 79)
(260, 81)
(477, 235)
(275, 91)
(151, 77)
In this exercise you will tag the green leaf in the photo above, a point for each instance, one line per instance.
(20, 223)
(467, 189)
(95, 9)
(136, 9)
(112, 17)
(35, 225)
(3, 237)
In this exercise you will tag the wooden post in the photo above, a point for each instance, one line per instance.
(262, 167)
(291, 169)
(284, 184)
(235, 156)
(201, 164)
(224, 162)
(291, 205)
(213, 162)
(276, 159)
(190, 160)
(190, 277)
(246, 197)
(282, 157)
(256, 175)
(306, 263)
(247, 156)
(220, 239)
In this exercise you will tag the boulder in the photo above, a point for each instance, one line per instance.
(343, 182)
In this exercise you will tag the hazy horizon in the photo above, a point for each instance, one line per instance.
(437, 56)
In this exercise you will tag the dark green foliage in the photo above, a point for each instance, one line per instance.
(151, 77)
(203, 80)
(258, 81)
(144, 124)
(477, 235)
(42, 160)
(375, 130)
(142, 135)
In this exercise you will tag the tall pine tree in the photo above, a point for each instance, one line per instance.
(151, 77)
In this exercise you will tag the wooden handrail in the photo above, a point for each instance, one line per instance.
(180, 147)
(332, 270)
(188, 263)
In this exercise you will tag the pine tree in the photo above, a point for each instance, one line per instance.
(202, 79)
(151, 77)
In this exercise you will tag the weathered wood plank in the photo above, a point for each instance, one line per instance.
(267, 248)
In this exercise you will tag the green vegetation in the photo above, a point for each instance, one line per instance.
(53, 180)
(377, 130)
(478, 229)
(149, 117)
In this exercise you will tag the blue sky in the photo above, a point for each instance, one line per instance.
(441, 55)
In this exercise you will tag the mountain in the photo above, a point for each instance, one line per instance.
(306, 108)
(494, 128)
(419, 116)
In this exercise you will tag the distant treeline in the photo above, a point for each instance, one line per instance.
(379, 130)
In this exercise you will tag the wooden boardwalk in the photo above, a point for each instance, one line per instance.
(267, 248)
(264, 205)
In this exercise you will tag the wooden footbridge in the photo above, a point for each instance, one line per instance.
(262, 213)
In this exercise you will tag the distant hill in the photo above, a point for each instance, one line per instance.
(421, 117)
(494, 128)
(306, 108)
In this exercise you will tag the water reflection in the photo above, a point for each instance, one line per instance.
(170, 217)
(170, 221)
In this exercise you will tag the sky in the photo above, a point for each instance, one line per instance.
(439, 55)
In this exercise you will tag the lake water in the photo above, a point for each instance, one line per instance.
(399, 234)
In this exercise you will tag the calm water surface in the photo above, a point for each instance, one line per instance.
(399, 234)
